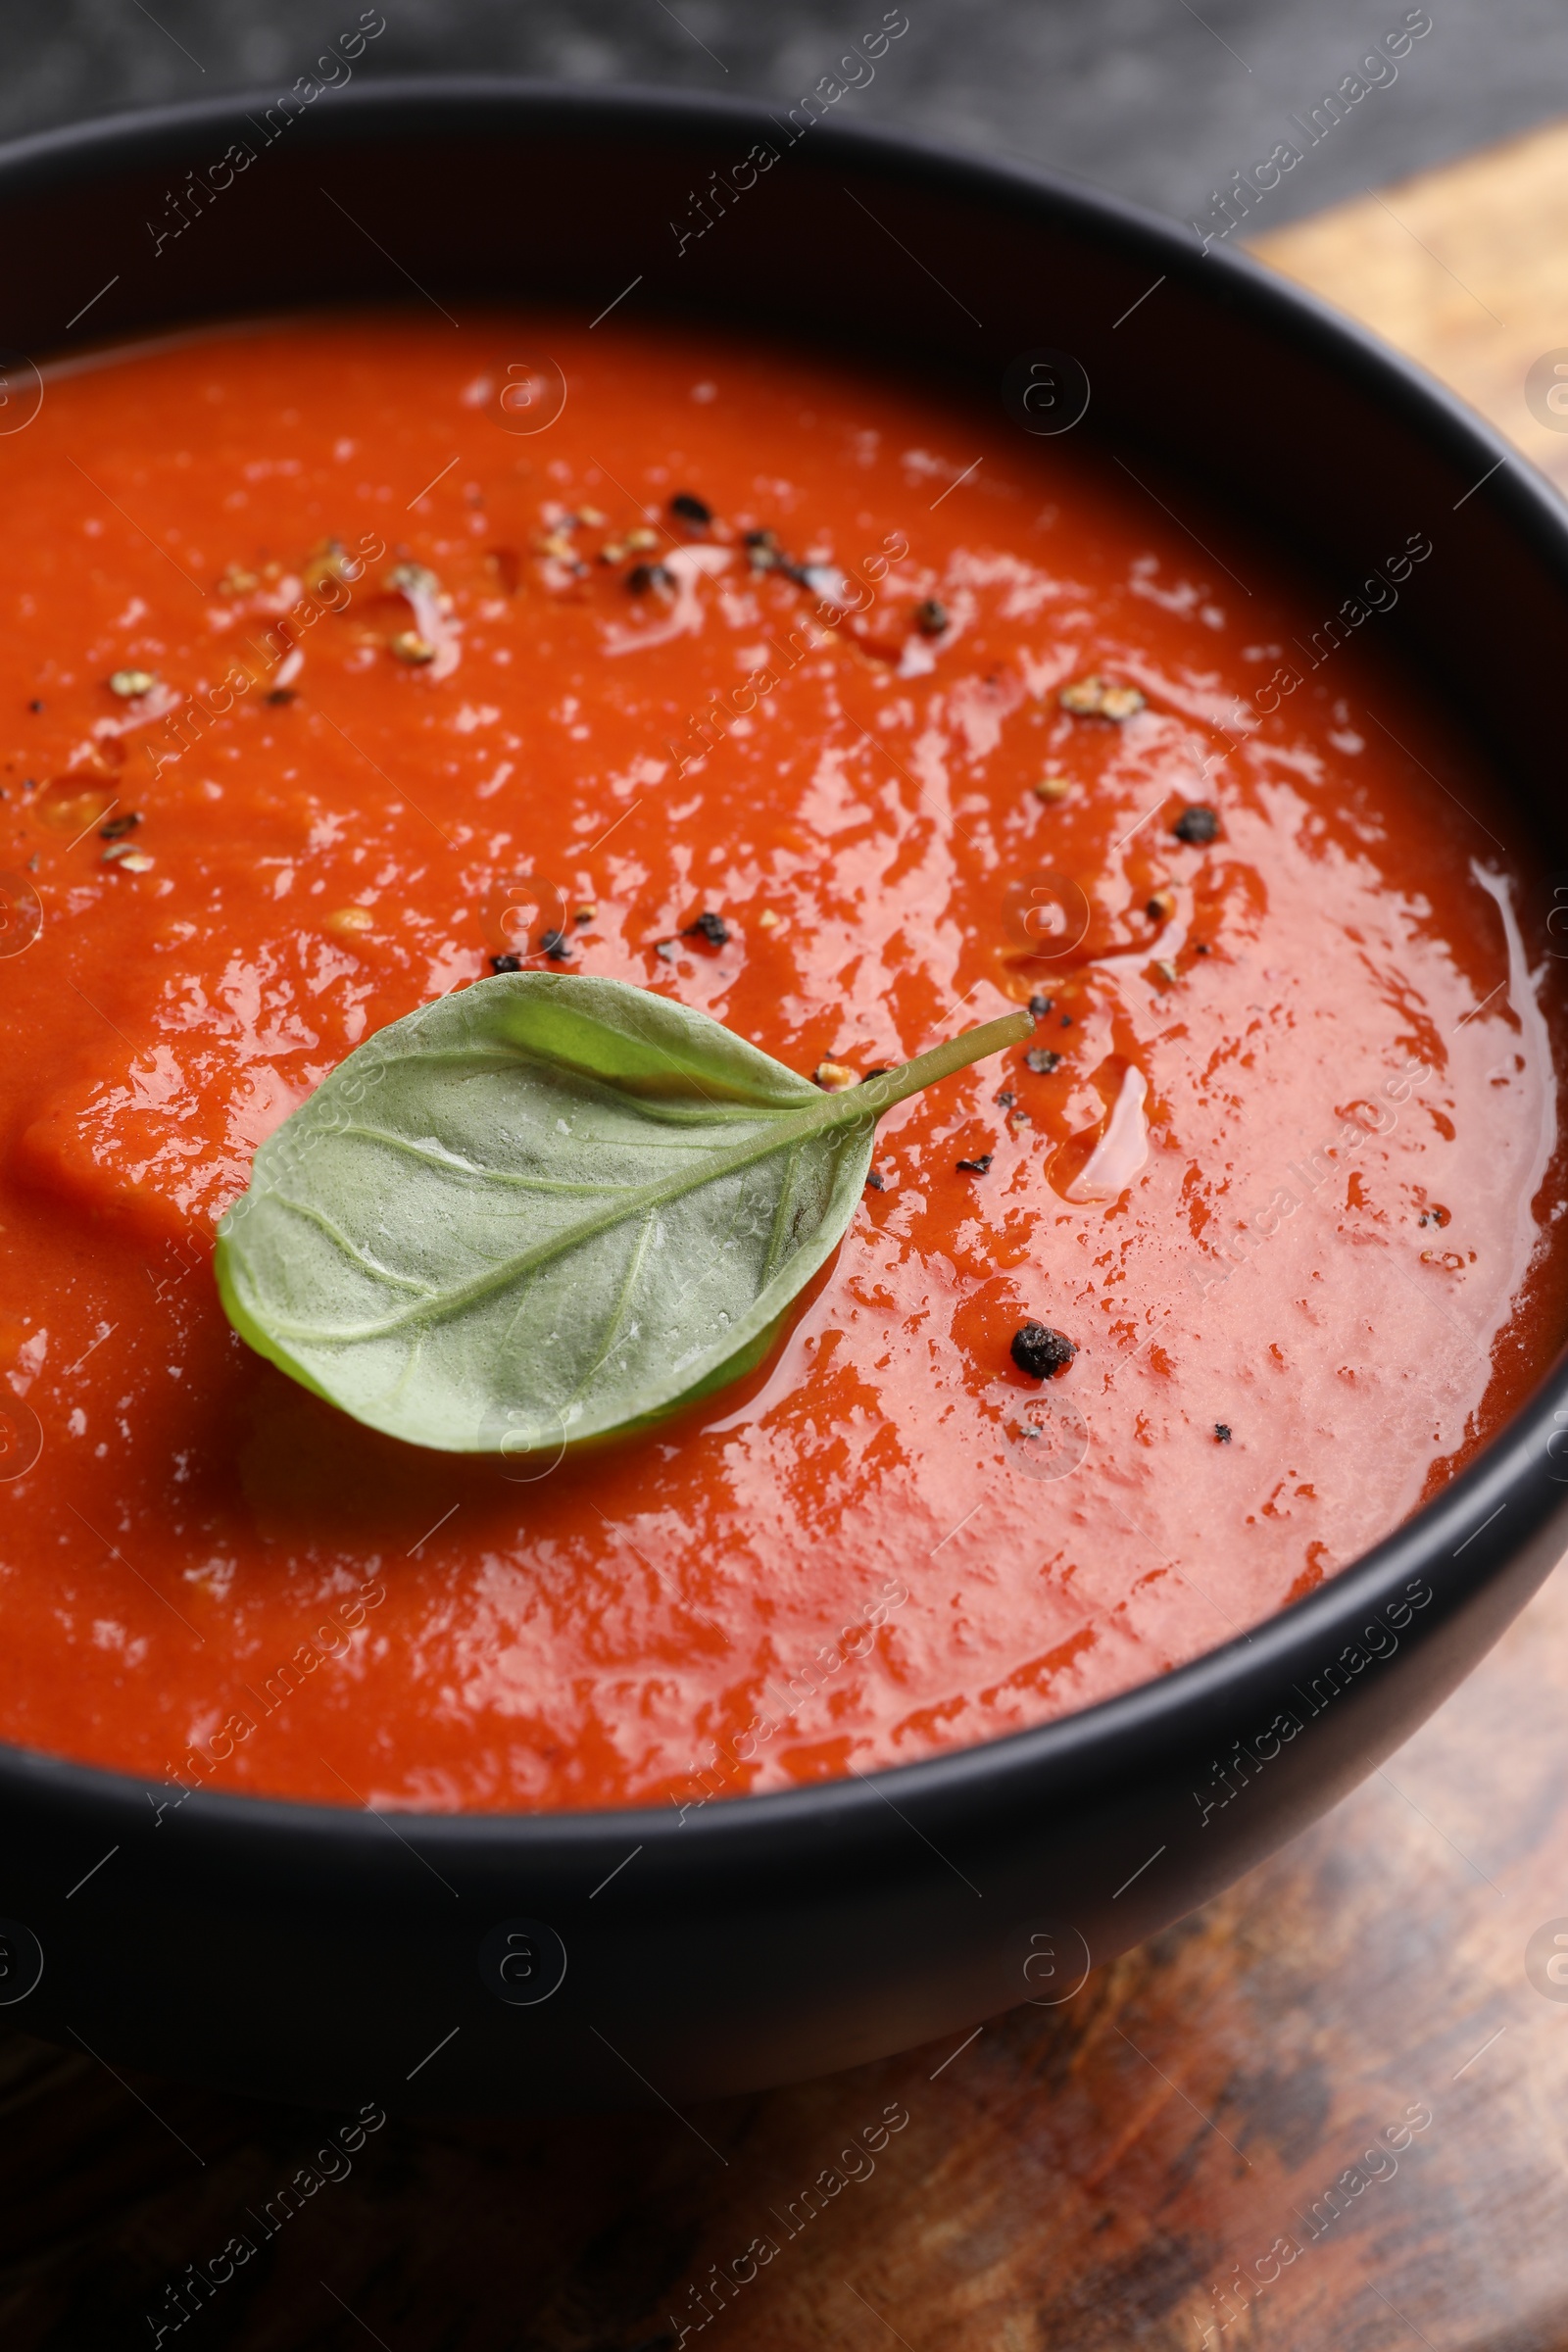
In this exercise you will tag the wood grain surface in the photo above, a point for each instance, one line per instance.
(1112, 2173)
(1465, 268)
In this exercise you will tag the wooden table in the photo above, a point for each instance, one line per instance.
(1109, 2173)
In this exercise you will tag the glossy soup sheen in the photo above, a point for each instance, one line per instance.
(1279, 1169)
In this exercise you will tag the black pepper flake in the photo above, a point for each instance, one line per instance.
(645, 576)
(881, 1069)
(1222, 1433)
(1200, 947)
(876, 1180)
(1041, 1005)
(506, 963)
(281, 694)
(708, 926)
(118, 826)
(1041, 1060)
(1066, 1020)
(1006, 1099)
(691, 509)
(1196, 824)
(976, 1167)
(35, 706)
(1433, 1216)
(556, 946)
(1040, 1351)
(931, 619)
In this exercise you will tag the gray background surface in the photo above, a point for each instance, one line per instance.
(1152, 98)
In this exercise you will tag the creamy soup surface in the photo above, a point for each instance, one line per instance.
(852, 718)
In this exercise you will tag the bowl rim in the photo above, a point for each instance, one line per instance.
(1113, 1739)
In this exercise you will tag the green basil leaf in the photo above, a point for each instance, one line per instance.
(547, 1207)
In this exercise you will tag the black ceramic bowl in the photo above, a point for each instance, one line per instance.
(493, 1960)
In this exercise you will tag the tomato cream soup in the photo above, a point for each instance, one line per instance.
(342, 660)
